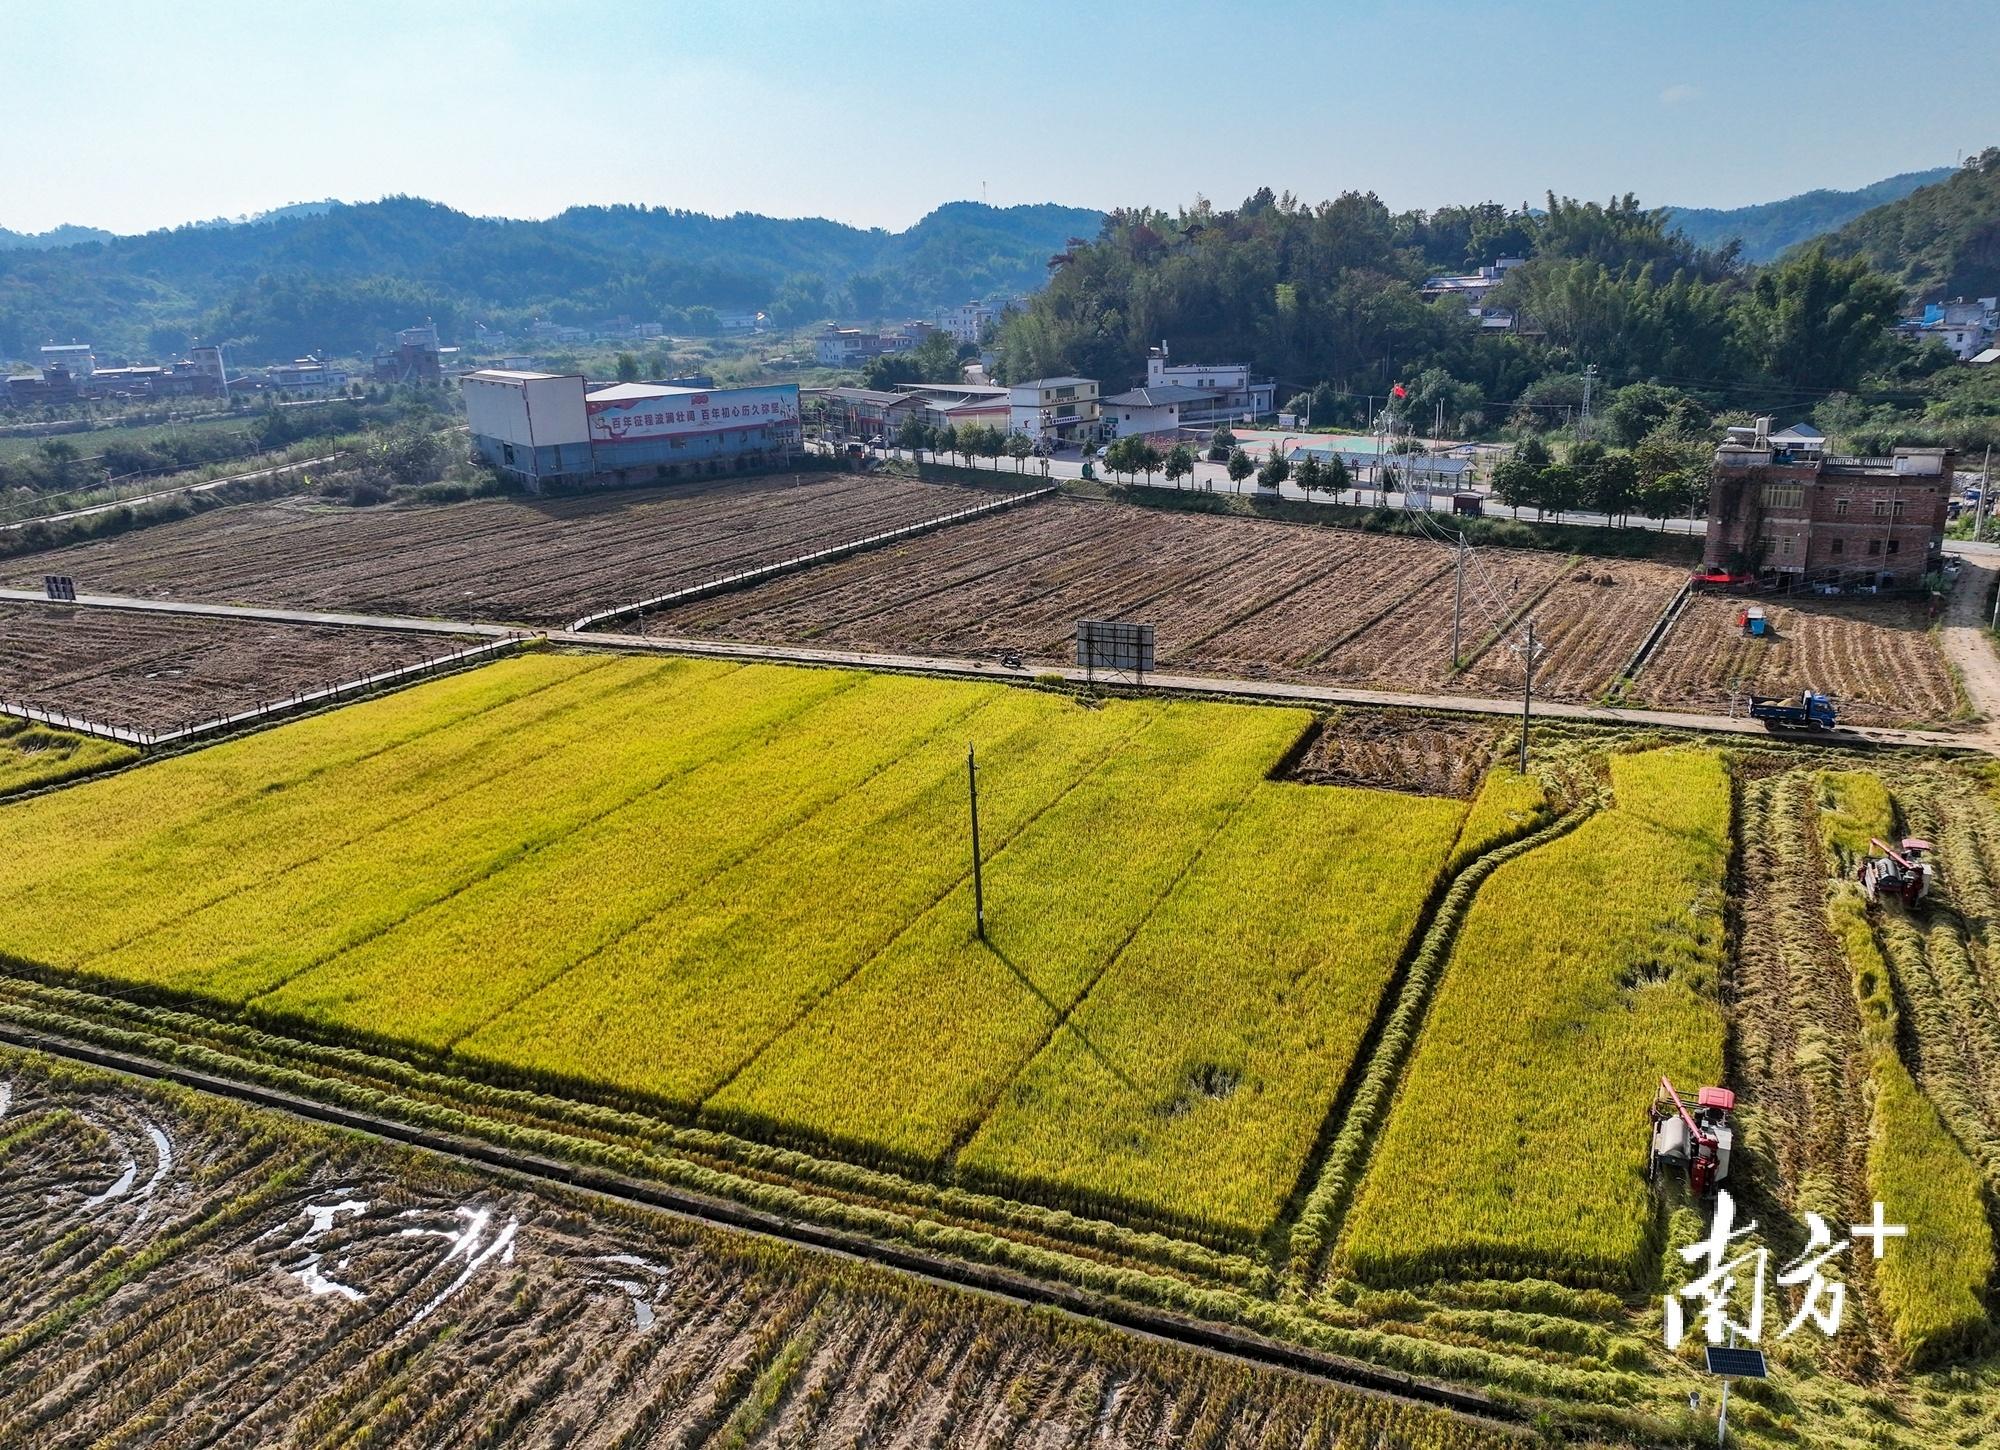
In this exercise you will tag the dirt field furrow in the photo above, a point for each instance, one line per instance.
(1587, 626)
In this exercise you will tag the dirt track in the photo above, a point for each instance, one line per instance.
(161, 672)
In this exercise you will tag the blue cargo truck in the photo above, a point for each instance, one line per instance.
(1811, 711)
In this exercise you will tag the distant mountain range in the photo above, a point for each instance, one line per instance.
(344, 276)
(1769, 229)
(72, 236)
(64, 236)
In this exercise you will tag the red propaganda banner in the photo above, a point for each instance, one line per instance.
(679, 415)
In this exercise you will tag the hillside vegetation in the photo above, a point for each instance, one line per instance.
(1768, 229)
(1941, 240)
(346, 277)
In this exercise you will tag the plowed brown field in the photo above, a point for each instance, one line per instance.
(1229, 596)
(1878, 659)
(162, 671)
(538, 561)
(277, 1286)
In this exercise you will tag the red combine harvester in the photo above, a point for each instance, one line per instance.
(1691, 1136)
(1902, 875)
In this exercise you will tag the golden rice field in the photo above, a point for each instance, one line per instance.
(1357, 1051)
(1586, 969)
(743, 894)
(34, 757)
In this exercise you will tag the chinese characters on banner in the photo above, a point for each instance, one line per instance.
(670, 415)
(1821, 1300)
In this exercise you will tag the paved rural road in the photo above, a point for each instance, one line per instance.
(989, 669)
(1214, 478)
(202, 487)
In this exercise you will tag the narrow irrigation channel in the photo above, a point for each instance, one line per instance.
(602, 1186)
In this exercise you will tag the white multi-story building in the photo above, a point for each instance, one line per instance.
(209, 362)
(1225, 393)
(967, 323)
(1054, 410)
(1967, 327)
(1150, 412)
(307, 375)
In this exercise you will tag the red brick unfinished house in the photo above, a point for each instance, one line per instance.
(1783, 509)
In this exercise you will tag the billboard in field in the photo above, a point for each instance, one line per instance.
(682, 415)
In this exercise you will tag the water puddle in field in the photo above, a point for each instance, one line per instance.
(308, 1273)
(469, 1243)
(645, 1297)
(317, 1284)
(323, 1215)
(117, 1190)
(6, 1097)
(163, 1160)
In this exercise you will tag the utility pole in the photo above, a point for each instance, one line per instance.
(1985, 488)
(1583, 418)
(1458, 599)
(1527, 691)
(978, 884)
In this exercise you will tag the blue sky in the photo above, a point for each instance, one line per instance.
(131, 116)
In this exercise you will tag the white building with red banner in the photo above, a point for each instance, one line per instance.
(546, 425)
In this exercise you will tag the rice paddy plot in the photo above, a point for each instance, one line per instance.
(1201, 1066)
(742, 894)
(1585, 969)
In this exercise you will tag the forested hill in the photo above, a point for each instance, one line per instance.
(1941, 241)
(1328, 298)
(1773, 227)
(346, 277)
(63, 236)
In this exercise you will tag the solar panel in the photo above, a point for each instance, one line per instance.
(1736, 1364)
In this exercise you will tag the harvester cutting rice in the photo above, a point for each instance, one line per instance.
(1891, 874)
(1691, 1136)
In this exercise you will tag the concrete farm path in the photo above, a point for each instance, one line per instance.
(1969, 646)
(269, 616)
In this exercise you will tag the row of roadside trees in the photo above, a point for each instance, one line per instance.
(974, 440)
(1663, 477)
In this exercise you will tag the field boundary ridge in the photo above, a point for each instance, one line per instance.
(1390, 1042)
(1661, 626)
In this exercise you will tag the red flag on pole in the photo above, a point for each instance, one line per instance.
(1397, 391)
